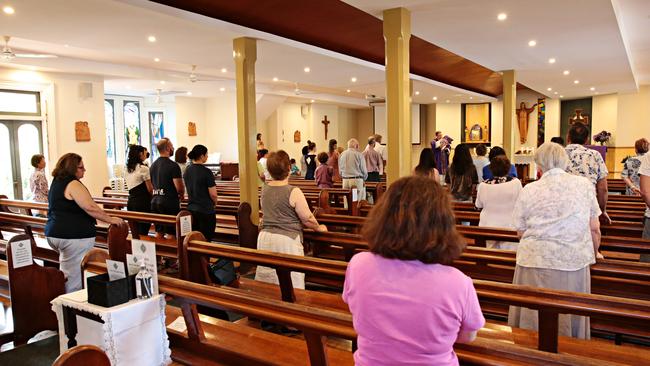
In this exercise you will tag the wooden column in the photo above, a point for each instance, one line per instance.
(509, 117)
(397, 34)
(245, 54)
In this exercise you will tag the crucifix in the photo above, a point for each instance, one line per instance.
(325, 122)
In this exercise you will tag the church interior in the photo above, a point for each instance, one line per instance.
(96, 77)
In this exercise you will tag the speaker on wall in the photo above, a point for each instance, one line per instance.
(85, 90)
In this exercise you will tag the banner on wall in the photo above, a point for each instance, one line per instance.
(541, 120)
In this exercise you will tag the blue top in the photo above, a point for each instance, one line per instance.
(65, 219)
(487, 173)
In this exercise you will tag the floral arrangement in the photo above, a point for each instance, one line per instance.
(602, 137)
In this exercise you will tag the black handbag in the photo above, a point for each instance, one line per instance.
(222, 272)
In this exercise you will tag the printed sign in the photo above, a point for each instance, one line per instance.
(355, 195)
(21, 253)
(115, 270)
(146, 250)
(133, 264)
(186, 225)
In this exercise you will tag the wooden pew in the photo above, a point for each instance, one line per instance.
(199, 252)
(245, 345)
(32, 287)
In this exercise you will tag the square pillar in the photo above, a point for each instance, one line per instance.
(509, 112)
(245, 54)
(397, 35)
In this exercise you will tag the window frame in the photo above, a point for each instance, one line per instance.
(38, 103)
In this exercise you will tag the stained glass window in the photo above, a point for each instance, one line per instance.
(109, 116)
(156, 131)
(131, 123)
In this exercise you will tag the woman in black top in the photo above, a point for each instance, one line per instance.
(201, 192)
(70, 228)
(462, 176)
(138, 181)
(310, 159)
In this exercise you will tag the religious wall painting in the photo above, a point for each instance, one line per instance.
(541, 120)
(191, 128)
(575, 110)
(132, 129)
(156, 131)
(296, 136)
(476, 123)
(82, 131)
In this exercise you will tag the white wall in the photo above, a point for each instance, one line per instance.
(62, 107)
(448, 121)
(633, 120)
(190, 109)
(604, 115)
(221, 126)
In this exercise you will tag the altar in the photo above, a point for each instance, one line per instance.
(525, 165)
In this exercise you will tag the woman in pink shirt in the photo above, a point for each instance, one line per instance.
(408, 305)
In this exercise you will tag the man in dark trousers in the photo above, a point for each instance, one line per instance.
(167, 183)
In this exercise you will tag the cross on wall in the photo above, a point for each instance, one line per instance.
(325, 122)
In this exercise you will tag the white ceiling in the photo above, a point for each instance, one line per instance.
(582, 35)
(109, 38)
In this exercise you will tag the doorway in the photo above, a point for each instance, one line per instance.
(19, 141)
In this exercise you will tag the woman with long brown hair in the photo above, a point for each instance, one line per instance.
(407, 303)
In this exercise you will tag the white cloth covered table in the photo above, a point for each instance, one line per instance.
(133, 333)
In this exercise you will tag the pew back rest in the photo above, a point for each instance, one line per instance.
(32, 287)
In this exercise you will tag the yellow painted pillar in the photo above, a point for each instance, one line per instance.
(397, 34)
(245, 54)
(509, 117)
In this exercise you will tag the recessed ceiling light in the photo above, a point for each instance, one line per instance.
(222, 89)
(566, 72)
(151, 39)
(555, 93)
(471, 97)
(447, 100)
(189, 93)
(502, 16)
(347, 91)
(224, 70)
(549, 89)
(561, 96)
(275, 79)
(307, 69)
(66, 45)
(156, 59)
(417, 93)
(435, 98)
(162, 82)
(592, 88)
(353, 79)
(551, 60)
(312, 101)
(532, 43)
(576, 81)
(8, 10)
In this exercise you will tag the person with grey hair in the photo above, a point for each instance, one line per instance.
(557, 220)
(374, 161)
(352, 166)
(381, 149)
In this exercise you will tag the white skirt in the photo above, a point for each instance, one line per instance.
(280, 244)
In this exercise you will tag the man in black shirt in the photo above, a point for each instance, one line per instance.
(167, 183)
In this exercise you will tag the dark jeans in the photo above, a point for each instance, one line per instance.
(373, 177)
(140, 201)
(205, 223)
(160, 206)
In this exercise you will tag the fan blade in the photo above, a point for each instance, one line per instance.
(35, 55)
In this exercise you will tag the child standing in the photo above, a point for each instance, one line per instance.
(324, 172)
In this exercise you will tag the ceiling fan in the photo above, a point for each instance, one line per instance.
(298, 91)
(8, 54)
(193, 77)
(159, 93)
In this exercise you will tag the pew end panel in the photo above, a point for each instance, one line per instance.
(31, 288)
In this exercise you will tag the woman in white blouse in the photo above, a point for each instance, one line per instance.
(557, 219)
(139, 184)
(497, 197)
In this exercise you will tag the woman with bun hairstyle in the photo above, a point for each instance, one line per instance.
(201, 192)
(310, 159)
